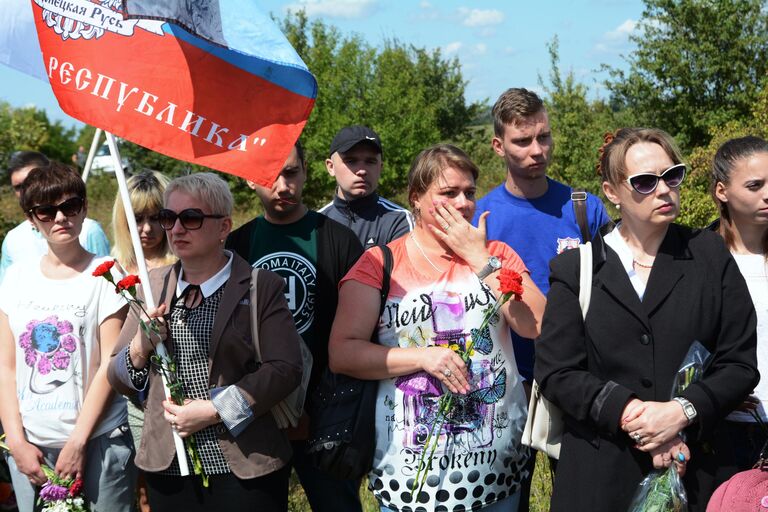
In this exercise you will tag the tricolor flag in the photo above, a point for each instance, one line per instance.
(213, 82)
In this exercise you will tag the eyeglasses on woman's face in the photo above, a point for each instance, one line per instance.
(646, 182)
(191, 218)
(47, 212)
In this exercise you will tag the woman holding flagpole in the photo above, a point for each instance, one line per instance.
(204, 300)
(58, 327)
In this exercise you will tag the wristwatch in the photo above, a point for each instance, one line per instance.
(492, 266)
(688, 408)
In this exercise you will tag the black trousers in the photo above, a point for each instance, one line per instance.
(268, 493)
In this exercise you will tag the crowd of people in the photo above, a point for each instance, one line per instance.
(81, 391)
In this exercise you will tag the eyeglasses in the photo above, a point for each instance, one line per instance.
(47, 212)
(645, 183)
(191, 218)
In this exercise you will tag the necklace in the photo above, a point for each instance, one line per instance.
(641, 265)
(413, 237)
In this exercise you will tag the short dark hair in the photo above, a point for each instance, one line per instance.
(514, 105)
(21, 159)
(300, 152)
(47, 184)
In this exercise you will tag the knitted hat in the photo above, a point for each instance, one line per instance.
(746, 491)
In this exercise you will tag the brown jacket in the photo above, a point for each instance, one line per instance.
(261, 448)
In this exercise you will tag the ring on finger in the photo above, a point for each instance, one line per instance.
(637, 438)
(447, 372)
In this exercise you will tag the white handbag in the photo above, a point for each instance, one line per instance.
(544, 425)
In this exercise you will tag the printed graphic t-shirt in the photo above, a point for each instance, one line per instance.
(290, 250)
(55, 325)
(479, 459)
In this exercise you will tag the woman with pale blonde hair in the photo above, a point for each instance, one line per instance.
(146, 192)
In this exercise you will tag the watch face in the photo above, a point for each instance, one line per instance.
(494, 262)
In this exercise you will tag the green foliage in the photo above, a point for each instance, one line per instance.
(411, 96)
(21, 128)
(698, 63)
(577, 126)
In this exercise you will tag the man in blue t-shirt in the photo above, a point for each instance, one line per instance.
(529, 211)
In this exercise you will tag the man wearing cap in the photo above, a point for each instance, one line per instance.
(355, 162)
(312, 253)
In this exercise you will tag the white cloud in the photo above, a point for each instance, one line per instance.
(480, 17)
(335, 8)
(425, 5)
(479, 49)
(509, 50)
(452, 48)
(622, 32)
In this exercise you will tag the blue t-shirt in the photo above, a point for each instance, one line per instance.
(538, 230)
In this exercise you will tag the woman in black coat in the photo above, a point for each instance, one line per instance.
(657, 287)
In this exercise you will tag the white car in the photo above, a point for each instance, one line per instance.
(103, 161)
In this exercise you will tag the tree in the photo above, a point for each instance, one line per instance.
(411, 96)
(698, 63)
(578, 125)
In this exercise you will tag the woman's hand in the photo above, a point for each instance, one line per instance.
(28, 459)
(674, 452)
(654, 423)
(71, 459)
(447, 366)
(191, 417)
(466, 241)
(141, 346)
(751, 403)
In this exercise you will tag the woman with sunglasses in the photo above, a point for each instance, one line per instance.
(206, 296)
(146, 192)
(656, 288)
(58, 327)
(739, 185)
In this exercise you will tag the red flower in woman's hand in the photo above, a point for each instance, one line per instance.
(76, 488)
(104, 269)
(511, 283)
(127, 283)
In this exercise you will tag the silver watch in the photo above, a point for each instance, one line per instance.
(688, 408)
(492, 266)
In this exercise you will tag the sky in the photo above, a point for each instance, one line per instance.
(499, 44)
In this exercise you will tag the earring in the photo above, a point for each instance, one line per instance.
(221, 241)
(618, 206)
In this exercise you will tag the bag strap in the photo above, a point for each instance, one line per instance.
(254, 309)
(585, 277)
(579, 200)
(387, 268)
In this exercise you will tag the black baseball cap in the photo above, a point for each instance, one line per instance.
(350, 136)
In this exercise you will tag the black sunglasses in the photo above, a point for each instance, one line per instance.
(646, 182)
(47, 212)
(191, 218)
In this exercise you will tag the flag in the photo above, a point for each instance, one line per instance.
(212, 82)
(19, 48)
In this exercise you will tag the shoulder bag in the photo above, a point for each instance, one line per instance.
(544, 425)
(342, 412)
(290, 409)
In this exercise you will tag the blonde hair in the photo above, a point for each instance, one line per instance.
(430, 164)
(146, 193)
(208, 188)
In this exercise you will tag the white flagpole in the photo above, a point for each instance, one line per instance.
(160, 349)
(91, 153)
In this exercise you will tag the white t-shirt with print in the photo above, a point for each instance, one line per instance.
(755, 271)
(479, 459)
(55, 325)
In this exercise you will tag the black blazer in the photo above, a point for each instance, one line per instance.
(632, 349)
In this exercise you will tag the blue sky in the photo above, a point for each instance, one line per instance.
(500, 44)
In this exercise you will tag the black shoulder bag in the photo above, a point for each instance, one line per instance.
(342, 411)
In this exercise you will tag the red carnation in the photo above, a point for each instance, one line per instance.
(511, 283)
(104, 269)
(127, 282)
(76, 488)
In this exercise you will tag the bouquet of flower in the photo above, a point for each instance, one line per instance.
(662, 490)
(58, 494)
(511, 284)
(164, 364)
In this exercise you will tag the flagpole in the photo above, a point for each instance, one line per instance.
(91, 153)
(160, 349)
